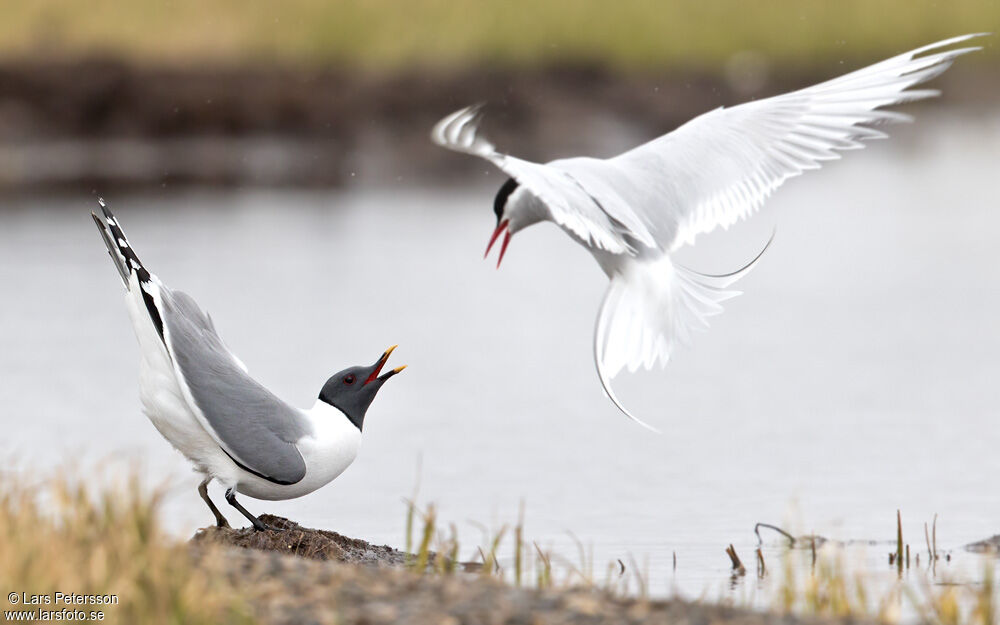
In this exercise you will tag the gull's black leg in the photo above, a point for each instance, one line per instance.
(220, 521)
(257, 524)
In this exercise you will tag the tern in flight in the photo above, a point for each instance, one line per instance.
(634, 210)
(200, 397)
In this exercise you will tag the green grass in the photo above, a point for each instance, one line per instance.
(393, 34)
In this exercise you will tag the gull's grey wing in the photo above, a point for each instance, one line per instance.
(569, 204)
(721, 166)
(257, 429)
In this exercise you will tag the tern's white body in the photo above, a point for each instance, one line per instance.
(632, 211)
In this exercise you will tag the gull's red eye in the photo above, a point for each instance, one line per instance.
(349, 378)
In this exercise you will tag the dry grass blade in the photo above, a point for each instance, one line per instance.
(424, 552)
(107, 540)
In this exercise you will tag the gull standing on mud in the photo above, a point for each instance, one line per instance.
(200, 397)
(634, 210)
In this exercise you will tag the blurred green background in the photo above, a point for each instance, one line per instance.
(390, 34)
(149, 94)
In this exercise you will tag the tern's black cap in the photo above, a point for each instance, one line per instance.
(501, 199)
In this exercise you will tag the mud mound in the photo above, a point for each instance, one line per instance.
(293, 539)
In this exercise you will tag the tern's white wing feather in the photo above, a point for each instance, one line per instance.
(567, 201)
(721, 166)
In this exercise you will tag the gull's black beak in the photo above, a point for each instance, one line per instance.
(381, 363)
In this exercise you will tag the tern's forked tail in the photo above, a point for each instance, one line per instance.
(649, 308)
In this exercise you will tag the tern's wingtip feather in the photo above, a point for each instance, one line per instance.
(950, 41)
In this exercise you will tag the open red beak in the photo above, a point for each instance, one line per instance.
(493, 239)
(381, 363)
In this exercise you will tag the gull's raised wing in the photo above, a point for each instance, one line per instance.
(257, 429)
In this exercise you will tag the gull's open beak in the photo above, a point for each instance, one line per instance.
(493, 239)
(380, 364)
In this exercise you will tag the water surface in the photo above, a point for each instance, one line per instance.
(856, 375)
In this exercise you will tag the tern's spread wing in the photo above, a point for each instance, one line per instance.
(251, 424)
(721, 166)
(569, 203)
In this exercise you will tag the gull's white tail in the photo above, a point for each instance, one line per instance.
(127, 263)
(649, 308)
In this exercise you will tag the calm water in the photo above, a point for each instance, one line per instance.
(856, 375)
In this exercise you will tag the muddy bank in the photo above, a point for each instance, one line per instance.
(109, 125)
(293, 539)
(336, 579)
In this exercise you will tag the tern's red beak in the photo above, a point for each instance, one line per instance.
(493, 239)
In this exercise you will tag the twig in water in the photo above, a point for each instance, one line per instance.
(934, 536)
(675, 561)
(761, 568)
(735, 559)
(621, 567)
(899, 541)
(519, 544)
(927, 537)
(760, 541)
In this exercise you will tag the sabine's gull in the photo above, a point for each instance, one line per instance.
(634, 210)
(200, 397)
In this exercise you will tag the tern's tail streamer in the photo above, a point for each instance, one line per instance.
(649, 308)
